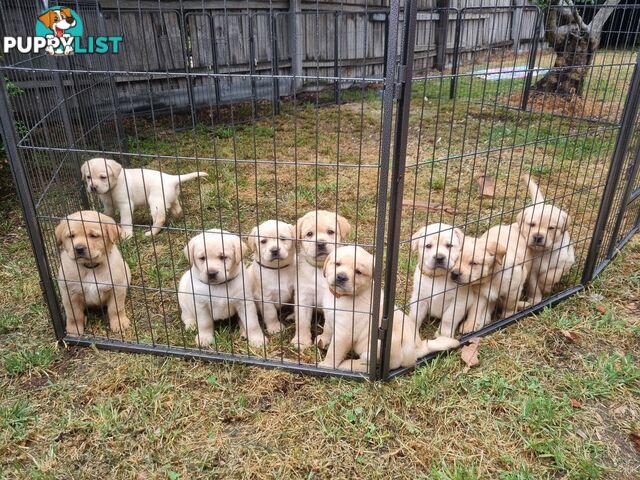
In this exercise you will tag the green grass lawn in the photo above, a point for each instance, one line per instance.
(555, 396)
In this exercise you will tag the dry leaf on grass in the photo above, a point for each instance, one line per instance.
(633, 306)
(575, 403)
(469, 354)
(635, 438)
(486, 186)
(570, 335)
(601, 308)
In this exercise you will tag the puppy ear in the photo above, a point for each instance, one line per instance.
(60, 231)
(188, 250)
(67, 12)
(344, 227)
(415, 239)
(498, 251)
(292, 231)
(240, 248)
(327, 261)
(47, 18)
(299, 228)
(84, 170)
(566, 221)
(115, 168)
(460, 234)
(111, 229)
(252, 240)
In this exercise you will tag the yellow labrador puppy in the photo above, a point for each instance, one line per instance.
(545, 227)
(124, 189)
(216, 288)
(511, 278)
(272, 274)
(349, 274)
(438, 247)
(92, 271)
(479, 261)
(318, 233)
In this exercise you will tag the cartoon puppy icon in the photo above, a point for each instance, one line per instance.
(59, 21)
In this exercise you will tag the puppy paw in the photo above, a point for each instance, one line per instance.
(75, 330)
(119, 324)
(189, 323)
(467, 328)
(275, 327)
(258, 341)
(203, 340)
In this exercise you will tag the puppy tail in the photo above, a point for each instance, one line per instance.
(438, 344)
(534, 190)
(190, 176)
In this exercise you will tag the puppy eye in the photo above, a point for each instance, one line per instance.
(330, 232)
(88, 177)
(474, 264)
(551, 228)
(358, 272)
(532, 224)
(263, 241)
(222, 257)
(428, 245)
(103, 177)
(72, 236)
(202, 258)
(309, 234)
(448, 245)
(94, 235)
(337, 264)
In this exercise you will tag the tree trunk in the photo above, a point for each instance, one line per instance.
(574, 43)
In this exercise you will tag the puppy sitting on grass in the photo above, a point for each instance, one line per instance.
(124, 189)
(434, 293)
(92, 271)
(546, 228)
(272, 274)
(349, 274)
(216, 287)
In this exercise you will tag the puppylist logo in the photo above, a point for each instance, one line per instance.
(59, 31)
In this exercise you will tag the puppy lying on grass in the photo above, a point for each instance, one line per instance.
(92, 271)
(124, 189)
(349, 274)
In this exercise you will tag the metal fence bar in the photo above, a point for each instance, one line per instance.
(629, 113)
(401, 134)
(30, 216)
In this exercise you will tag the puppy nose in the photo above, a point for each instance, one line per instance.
(80, 249)
(538, 238)
(341, 278)
(275, 250)
(440, 258)
(455, 275)
(94, 189)
(322, 245)
(212, 275)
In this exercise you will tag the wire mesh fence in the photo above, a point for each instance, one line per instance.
(301, 188)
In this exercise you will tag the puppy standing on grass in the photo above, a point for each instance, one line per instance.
(434, 293)
(216, 287)
(349, 274)
(124, 189)
(545, 227)
(92, 271)
(272, 274)
(318, 232)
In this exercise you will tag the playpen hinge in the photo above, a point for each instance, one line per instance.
(402, 78)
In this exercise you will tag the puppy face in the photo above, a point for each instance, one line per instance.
(216, 255)
(438, 247)
(273, 242)
(87, 236)
(319, 231)
(543, 225)
(478, 261)
(100, 174)
(349, 270)
(58, 20)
